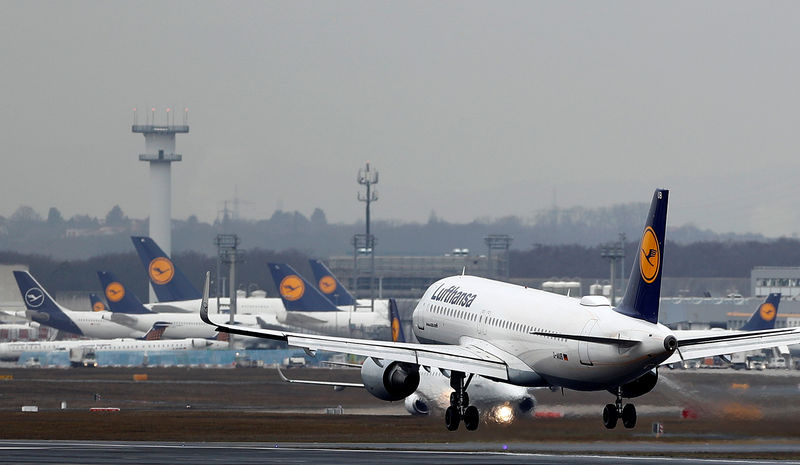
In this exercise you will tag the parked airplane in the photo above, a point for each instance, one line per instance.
(310, 312)
(508, 333)
(333, 289)
(43, 309)
(308, 308)
(128, 310)
(97, 303)
(11, 351)
(500, 402)
(765, 315)
(177, 294)
(169, 283)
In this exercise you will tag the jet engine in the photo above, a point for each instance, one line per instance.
(639, 386)
(416, 405)
(527, 404)
(390, 380)
(199, 343)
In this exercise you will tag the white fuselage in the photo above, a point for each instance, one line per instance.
(93, 325)
(473, 310)
(248, 305)
(13, 350)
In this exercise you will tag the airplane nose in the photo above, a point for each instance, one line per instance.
(670, 343)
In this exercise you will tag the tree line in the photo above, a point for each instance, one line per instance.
(728, 259)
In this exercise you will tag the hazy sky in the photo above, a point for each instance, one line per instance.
(468, 109)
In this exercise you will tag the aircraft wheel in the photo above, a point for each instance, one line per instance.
(629, 416)
(471, 418)
(451, 418)
(610, 416)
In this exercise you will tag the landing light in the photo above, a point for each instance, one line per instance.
(503, 414)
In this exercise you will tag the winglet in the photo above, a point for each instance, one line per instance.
(204, 302)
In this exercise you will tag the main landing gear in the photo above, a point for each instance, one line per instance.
(615, 411)
(459, 408)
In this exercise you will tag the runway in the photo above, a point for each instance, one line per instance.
(338, 453)
(250, 416)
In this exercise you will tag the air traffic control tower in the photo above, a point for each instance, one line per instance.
(159, 142)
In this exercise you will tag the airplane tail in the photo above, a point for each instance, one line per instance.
(765, 315)
(329, 285)
(297, 294)
(644, 286)
(97, 303)
(120, 300)
(41, 307)
(397, 329)
(169, 283)
(156, 332)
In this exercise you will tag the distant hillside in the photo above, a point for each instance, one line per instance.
(82, 236)
(731, 259)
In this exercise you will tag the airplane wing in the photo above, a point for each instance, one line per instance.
(693, 344)
(318, 383)
(298, 319)
(468, 358)
(165, 307)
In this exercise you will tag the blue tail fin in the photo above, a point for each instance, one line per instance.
(97, 303)
(297, 294)
(644, 286)
(397, 329)
(156, 332)
(120, 300)
(329, 285)
(168, 282)
(41, 307)
(765, 315)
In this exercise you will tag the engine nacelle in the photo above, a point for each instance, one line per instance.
(199, 343)
(392, 381)
(640, 386)
(416, 405)
(527, 404)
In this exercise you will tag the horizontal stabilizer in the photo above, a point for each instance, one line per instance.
(728, 337)
(729, 343)
(302, 319)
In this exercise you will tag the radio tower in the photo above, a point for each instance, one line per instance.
(365, 243)
(159, 140)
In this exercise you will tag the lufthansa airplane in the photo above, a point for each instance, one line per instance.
(471, 326)
(11, 351)
(329, 284)
(127, 310)
(43, 309)
(499, 402)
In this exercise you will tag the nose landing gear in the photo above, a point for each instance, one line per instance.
(459, 408)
